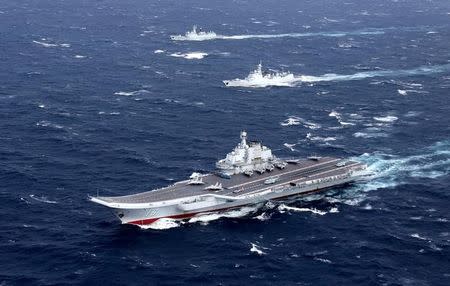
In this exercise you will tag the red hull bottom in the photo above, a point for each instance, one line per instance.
(190, 215)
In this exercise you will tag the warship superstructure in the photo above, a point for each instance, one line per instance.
(250, 174)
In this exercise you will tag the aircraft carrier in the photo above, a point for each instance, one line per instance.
(248, 175)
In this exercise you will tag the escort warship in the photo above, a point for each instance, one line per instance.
(248, 175)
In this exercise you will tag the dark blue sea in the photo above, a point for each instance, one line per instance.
(96, 98)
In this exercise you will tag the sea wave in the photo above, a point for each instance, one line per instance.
(42, 199)
(256, 249)
(295, 120)
(311, 137)
(45, 123)
(131, 93)
(259, 78)
(195, 35)
(284, 208)
(42, 42)
(386, 119)
(338, 117)
(292, 120)
(290, 146)
(190, 56)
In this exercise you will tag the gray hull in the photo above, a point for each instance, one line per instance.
(182, 200)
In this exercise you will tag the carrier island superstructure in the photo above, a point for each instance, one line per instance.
(250, 174)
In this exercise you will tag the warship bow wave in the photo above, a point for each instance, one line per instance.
(248, 175)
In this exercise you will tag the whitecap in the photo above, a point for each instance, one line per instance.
(235, 213)
(190, 56)
(263, 217)
(367, 207)
(333, 210)
(45, 123)
(290, 146)
(25, 200)
(158, 51)
(43, 199)
(338, 117)
(402, 92)
(292, 120)
(309, 136)
(323, 260)
(346, 45)
(344, 123)
(255, 249)
(284, 207)
(79, 57)
(369, 135)
(131, 93)
(44, 44)
(416, 235)
(387, 119)
(335, 114)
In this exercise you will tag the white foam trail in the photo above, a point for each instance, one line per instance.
(255, 248)
(335, 114)
(43, 199)
(402, 92)
(369, 135)
(162, 223)
(190, 56)
(309, 136)
(79, 57)
(416, 235)
(258, 79)
(44, 44)
(206, 218)
(284, 207)
(338, 117)
(50, 45)
(292, 120)
(334, 210)
(158, 51)
(195, 35)
(263, 217)
(290, 146)
(167, 223)
(131, 93)
(44, 123)
(386, 119)
(323, 260)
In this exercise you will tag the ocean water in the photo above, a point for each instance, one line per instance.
(97, 98)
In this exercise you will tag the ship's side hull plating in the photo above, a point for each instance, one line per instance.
(178, 210)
